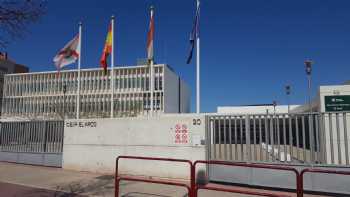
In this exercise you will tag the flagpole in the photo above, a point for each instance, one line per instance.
(152, 84)
(152, 70)
(79, 63)
(112, 69)
(198, 68)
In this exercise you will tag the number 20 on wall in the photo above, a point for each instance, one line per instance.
(197, 121)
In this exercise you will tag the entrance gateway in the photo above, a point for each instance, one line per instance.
(272, 139)
(298, 140)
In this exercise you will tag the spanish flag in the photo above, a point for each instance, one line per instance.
(107, 50)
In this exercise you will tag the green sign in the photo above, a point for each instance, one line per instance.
(337, 103)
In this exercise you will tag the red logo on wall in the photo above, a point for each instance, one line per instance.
(181, 134)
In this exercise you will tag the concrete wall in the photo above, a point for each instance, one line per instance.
(93, 145)
(244, 110)
(171, 91)
(332, 90)
(185, 104)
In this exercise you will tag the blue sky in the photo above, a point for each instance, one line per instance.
(249, 49)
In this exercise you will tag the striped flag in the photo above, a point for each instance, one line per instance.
(107, 50)
(68, 54)
(150, 37)
(194, 35)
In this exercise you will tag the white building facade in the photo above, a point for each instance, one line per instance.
(49, 95)
(329, 98)
(255, 109)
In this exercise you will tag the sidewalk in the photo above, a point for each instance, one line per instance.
(58, 183)
(31, 181)
(56, 179)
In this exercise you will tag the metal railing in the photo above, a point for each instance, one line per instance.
(247, 165)
(237, 191)
(314, 170)
(193, 187)
(163, 182)
(119, 178)
(32, 136)
(313, 138)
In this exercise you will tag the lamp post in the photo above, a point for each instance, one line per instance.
(288, 93)
(308, 69)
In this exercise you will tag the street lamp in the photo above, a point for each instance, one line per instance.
(308, 69)
(288, 89)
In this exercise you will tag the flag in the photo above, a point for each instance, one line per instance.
(69, 54)
(150, 36)
(107, 50)
(194, 35)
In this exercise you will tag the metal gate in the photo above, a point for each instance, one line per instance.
(32, 142)
(301, 140)
(317, 138)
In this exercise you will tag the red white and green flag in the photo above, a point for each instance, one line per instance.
(150, 37)
(68, 54)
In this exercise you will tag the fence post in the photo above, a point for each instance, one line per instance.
(193, 182)
(116, 182)
(323, 142)
(247, 138)
(45, 136)
(1, 140)
(300, 184)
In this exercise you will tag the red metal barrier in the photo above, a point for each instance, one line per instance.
(154, 181)
(225, 163)
(313, 170)
(237, 191)
(192, 175)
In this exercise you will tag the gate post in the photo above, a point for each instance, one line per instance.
(193, 181)
(247, 138)
(0, 136)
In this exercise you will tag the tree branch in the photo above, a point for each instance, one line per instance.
(16, 15)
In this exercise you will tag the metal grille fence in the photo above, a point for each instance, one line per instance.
(32, 136)
(317, 138)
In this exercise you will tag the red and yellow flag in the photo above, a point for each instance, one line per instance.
(107, 50)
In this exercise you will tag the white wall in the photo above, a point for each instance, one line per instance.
(94, 149)
(244, 110)
(185, 105)
(171, 91)
(332, 90)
